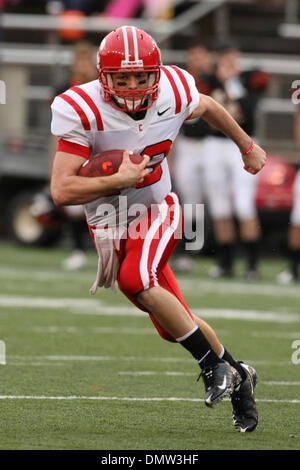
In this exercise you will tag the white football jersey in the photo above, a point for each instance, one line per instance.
(88, 125)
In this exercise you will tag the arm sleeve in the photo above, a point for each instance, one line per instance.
(67, 125)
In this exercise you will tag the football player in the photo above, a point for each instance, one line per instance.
(187, 156)
(291, 274)
(230, 191)
(139, 105)
(83, 70)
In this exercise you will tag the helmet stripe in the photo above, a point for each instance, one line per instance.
(135, 43)
(125, 37)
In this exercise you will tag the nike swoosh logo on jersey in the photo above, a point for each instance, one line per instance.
(223, 386)
(163, 112)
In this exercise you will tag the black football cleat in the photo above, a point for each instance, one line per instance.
(244, 412)
(219, 380)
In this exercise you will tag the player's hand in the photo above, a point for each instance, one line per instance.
(255, 160)
(131, 173)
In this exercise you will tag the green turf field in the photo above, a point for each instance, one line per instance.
(88, 372)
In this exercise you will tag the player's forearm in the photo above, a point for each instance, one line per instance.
(217, 116)
(81, 190)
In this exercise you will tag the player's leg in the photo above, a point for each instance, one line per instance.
(145, 258)
(187, 177)
(219, 378)
(217, 190)
(142, 281)
(250, 236)
(224, 231)
(168, 281)
(187, 169)
(245, 416)
(292, 273)
(244, 190)
(166, 308)
(294, 247)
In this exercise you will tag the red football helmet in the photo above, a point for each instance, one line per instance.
(129, 49)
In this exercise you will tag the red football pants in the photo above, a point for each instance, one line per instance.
(144, 255)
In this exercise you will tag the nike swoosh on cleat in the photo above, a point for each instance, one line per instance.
(242, 429)
(208, 400)
(223, 386)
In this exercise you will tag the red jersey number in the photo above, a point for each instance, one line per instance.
(153, 150)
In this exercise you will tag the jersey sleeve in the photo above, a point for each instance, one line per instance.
(67, 124)
(183, 88)
(193, 94)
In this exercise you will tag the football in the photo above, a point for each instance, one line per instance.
(106, 163)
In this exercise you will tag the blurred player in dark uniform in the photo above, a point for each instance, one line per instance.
(291, 274)
(83, 70)
(230, 191)
(188, 159)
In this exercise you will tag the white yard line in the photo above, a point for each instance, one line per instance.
(149, 373)
(71, 329)
(248, 315)
(274, 382)
(93, 330)
(47, 302)
(15, 359)
(29, 360)
(275, 334)
(237, 287)
(195, 285)
(96, 307)
(40, 275)
(145, 399)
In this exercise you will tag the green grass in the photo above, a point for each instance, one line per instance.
(79, 350)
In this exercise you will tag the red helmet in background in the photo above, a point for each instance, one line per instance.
(129, 49)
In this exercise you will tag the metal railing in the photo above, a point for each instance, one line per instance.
(291, 28)
(32, 54)
(161, 29)
(53, 55)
